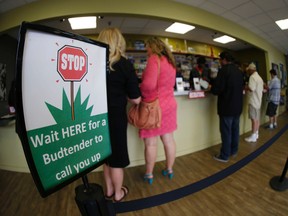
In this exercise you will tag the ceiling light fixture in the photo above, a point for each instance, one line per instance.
(283, 24)
(179, 28)
(224, 39)
(83, 22)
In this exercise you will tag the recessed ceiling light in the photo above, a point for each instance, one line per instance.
(283, 24)
(82, 22)
(179, 28)
(224, 39)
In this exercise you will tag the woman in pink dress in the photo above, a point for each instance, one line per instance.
(162, 85)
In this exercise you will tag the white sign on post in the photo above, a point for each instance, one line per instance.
(61, 82)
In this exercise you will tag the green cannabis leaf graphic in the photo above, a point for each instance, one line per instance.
(81, 110)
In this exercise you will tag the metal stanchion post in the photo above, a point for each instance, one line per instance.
(91, 201)
(280, 183)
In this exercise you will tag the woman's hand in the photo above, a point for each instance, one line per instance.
(135, 101)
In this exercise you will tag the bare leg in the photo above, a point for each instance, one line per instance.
(255, 125)
(108, 180)
(117, 176)
(114, 180)
(275, 120)
(271, 119)
(150, 153)
(170, 150)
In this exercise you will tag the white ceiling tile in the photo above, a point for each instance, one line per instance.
(228, 4)
(246, 24)
(154, 24)
(231, 16)
(10, 4)
(109, 21)
(247, 10)
(131, 30)
(191, 2)
(257, 31)
(279, 13)
(259, 19)
(268, 5)
(7, 5)
(267, 37)
(270, 27)
(213, 8)
(277, 35)
(139, 22)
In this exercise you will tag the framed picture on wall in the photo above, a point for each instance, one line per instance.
(282, 76)
(275, 67)
(3, 89)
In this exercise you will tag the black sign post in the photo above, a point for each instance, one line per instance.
(280, 183)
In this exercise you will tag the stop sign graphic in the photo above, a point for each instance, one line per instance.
(72, 63)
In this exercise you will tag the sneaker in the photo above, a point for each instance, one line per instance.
(252, 138)
(270, 126)
(218, 158)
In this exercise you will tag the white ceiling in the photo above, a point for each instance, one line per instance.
(259, 16)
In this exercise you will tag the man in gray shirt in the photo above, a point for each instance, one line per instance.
(274, 89)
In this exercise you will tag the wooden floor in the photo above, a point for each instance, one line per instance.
(246, 192)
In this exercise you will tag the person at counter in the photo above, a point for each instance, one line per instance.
(274, 92)
(122, 84)
(178, 74)
(158, 80)
(200, 71)
(254, 91)
(228, 85)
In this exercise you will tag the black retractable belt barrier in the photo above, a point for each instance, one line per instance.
(91, 201)
(280, 183)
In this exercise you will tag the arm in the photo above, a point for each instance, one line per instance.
(132, 85)
(149, 78)
(251, 84)
(218, 85)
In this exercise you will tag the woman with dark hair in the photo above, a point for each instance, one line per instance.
(200, 71)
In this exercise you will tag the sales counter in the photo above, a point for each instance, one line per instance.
(198, 128)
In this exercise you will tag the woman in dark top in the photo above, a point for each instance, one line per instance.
(122, 85)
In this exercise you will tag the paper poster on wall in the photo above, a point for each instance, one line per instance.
(63, 116)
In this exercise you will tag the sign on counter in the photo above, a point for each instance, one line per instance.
(196, 94)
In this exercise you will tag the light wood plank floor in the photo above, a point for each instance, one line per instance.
(246, 192)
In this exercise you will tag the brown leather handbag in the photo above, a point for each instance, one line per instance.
(146, 115)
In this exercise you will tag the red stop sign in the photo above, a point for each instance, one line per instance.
(72, 63)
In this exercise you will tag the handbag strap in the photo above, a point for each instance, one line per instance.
(158, 61)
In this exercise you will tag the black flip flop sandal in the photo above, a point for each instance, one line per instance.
(125, 189)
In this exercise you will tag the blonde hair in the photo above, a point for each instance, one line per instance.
(159, 48)
(117, 44)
